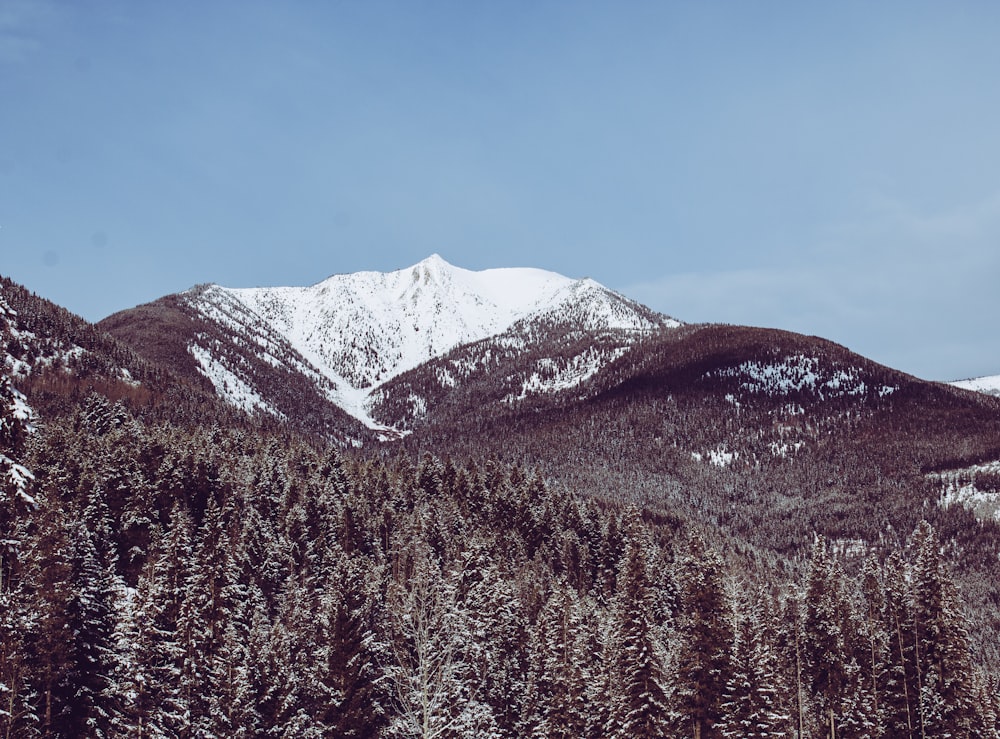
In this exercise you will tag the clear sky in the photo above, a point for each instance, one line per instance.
(830, 168)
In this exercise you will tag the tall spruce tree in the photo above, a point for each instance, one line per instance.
(640, 705)
(17, 714)
(898, 683)
(753, 705)
(558, 679)
(940, 643)
(825, 649)
(705, 634)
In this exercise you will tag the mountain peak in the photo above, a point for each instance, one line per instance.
(430, 270)
(434, 261)
(353, 333)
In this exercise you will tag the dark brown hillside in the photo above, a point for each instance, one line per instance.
(158, 331)
(64, 358)
(165, 330)
(683, 425)
(844, 454)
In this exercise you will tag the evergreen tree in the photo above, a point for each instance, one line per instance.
(428, 639)
(752, 707)
(940, 643)
(898, 682)
(876, 640)
(351, 705)
(704, 631)
(17, 715)
(151, 705)
(558, 680)
(824, 646)
(639, 702)
(497, 654)
(202, 619)
(71, 645)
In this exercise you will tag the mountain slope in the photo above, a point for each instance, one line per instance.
(767, 435)
(346, 337)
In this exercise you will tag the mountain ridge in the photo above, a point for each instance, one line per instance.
(350, 335)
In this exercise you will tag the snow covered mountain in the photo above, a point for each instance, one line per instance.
(986, 385)
(349, 335)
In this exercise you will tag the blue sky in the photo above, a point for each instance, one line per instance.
(828, 168)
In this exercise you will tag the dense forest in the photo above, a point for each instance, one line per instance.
(193, 580)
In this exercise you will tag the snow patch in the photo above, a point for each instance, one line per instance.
(19, 477)
(798, 373)
(968, 487)
(553, 376)
(783, 449)
(986, 385)
(230, 387)
(720, 457)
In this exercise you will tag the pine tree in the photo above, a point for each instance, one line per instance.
(704, 629)
(639, 702)
(825, 649)
(752, 707)
(154, 656)
(898, 682)
(201, 623)
(876, 639)
(71, 642)
(346, 671)
(496, 657)
(940, 643)
(558, 680)
(428, 638)
(17, 715)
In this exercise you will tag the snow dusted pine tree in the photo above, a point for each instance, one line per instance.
(639, 701)
(201, 623)
(16, 502)
(752, 708)
(875, 639)
(705, 632)
(834, 649)
(940, 644)
(558, 681)
(432, 692)
(71, 641)
(497, 656)
(824, 648)
(148, 679)
(898, 682)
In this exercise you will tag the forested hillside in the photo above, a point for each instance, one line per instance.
(206, 581)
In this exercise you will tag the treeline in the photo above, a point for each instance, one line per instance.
(162, 581)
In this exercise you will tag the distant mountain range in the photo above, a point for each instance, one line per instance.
(539, 366)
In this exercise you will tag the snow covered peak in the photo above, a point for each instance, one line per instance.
(360, 330)
(367, 327)
(434, 263)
